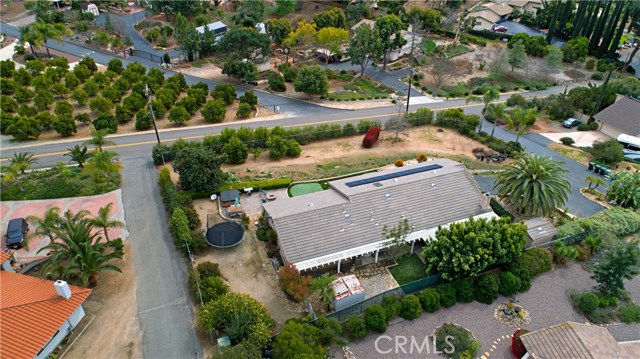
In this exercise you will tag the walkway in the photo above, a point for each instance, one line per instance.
(546, 301)
(164, 303)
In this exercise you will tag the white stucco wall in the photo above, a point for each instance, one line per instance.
(65, 328)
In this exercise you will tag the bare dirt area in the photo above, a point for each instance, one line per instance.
(10, 10)
(111, 326)
(346, 155)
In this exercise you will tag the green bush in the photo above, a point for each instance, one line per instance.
(499, 210)
(454, 337)
(524, 277)
(563, 253)
(212, 288)
(447, 294)
(161, 153)
(509, 284)
(244, 110)
(486, 288)
(567, 141)
(410, 307)
(391, 307)
(276, 82)
(355, 327)
(429, 300)
(464, 290)
(208, 269)
(608, 152)
(586, 302)
(597, 76)
(376, 318)
(630, 313)
(608, 301)
(590, 64)
(617, 221)
(330, 330)
(536, 261)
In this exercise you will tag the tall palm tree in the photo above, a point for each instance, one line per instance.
(495, 111)
(103, 161)
(321, 285)
(98, 139)
(489, 95)
(79, 155)
(104, 221)
(79, 249)
(9, 175)
(22, 161)
(44, 225)
(50, 31)
(26, 35)
(534, 184)
(520, 118)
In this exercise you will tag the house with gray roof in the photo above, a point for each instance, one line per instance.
(621, 117)
(344, 222)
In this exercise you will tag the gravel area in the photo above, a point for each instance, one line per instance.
(378, 284)
(546, 301)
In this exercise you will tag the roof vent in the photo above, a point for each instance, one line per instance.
(433, 185)
(341, 229)
(62, 289)
(387, 196)
(310, 204)
(378, 184)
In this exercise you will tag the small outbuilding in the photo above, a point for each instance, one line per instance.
(347, 291)
(229, 197)
(539, 231)
(218, 28)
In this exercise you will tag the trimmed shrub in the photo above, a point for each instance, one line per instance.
(464, 290)
(208, 269)
(486, 288)
(371, 137)
(355, 327)
(608, 301)
(376, 318)
(563, 253)
(398, 163)
(330, 330)
(244, 110)
(456, 342)
(276, 82)
(567, 141)
(524, 277)
(630, 313)
(212, 288)
(421, 157)
(429, 300)
(447, 294)
(586, 302)
(391, 307)
(410, 307)
(536, 261)
(509, 284)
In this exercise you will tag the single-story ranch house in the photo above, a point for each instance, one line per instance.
(621, 117)
(345, 222)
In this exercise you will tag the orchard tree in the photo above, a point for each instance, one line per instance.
(179, 115)
(235, 151)
(365, 47)
(468, 248)
(620, 261)
(25, 128)
(214, 111)
(199, 169)
(65, 125)
(312, 80)
(389, 27)
(332, 39)
(225, 92)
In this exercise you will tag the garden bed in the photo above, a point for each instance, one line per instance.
(361, 89)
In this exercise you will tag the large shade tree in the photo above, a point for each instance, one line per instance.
(533, 184)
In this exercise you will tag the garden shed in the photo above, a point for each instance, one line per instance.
(347, 291)
(539, 231)
(229, 197)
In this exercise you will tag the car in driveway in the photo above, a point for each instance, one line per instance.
(499, 28)
(571, 122)
(16, 231)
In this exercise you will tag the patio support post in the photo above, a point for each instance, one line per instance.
(376, 260)
(412, 245)
(339, 261)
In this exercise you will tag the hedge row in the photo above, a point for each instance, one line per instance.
(499, 210)
(212, 286)
(617, 221)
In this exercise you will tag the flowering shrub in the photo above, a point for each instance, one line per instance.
(421, 157)
(399, 163)
(371, 137)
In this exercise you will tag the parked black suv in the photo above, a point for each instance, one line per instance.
(16, 231)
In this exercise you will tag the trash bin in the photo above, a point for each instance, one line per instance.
(601, 170)
(608, 173)
(591, 164)
(597, 168)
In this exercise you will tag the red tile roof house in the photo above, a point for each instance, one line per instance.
(36, 314)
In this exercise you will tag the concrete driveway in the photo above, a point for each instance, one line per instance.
(582, 138)
(518, 28)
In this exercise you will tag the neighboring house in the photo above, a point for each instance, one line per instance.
(218, 28)
(621, 117)
(485, 19)
(36, 314)
(503, 10)
(524, 5)
(577, 341)
(90, 8)
(395, 54)
(338, 225)
(5, 262)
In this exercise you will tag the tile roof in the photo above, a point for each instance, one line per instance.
(31, 312)
(4, 256)
(342, 218)
(500, 9)
(623, 114)
(486, 14)
(571, 340)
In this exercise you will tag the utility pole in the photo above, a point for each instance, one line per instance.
(153, 116)
(413, 40)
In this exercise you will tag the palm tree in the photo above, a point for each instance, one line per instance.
(594, 180)
(50, 31)
(22, 161)
(44, 225)
(79, 249)
(104, 221)
(322, 286)
(98, 139)
(9, 175)
(26, 35)
(79, 155)
(489, 95)
(534, 184)
(520, 118)
(102, 161)
(495, 112)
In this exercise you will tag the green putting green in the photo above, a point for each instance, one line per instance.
(304, 188)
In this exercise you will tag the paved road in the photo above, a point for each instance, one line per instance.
(164, 305)
(388, 78)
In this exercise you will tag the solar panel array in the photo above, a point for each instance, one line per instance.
(392, 175)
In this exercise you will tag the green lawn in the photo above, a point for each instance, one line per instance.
(428, 46)
(409, 269)
(361, 89)
(455, 50)
(304, 188)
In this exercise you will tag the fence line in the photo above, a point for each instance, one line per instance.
(568, 240)
(147, 55)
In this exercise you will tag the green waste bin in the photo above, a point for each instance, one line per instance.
(591, 164)
(597, 168)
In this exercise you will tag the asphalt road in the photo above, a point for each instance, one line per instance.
(516, 28)
(164, 305)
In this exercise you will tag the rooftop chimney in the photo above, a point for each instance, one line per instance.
(486, 200)
(62, 288)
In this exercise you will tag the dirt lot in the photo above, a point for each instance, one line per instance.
(9, 10)
(112, 317)
(345, 155)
